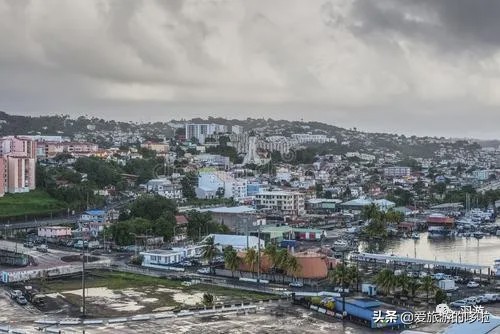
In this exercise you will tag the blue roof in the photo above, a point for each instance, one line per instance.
(365, 302)
(95, 212)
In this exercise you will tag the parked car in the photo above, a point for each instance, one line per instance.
(458, 279)
(422, 274)
(476, 279)
(186, 264)
(340, 289)
(492, 297)
(472, 284)
(482, 299)
(14, 294)
(203, 270)
(21, 300)
(471, 301)
(296, 284)
(459, 303)
(28, 244)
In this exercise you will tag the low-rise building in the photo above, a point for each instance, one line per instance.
(54, 232)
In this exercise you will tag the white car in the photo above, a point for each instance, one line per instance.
(482, 299)
(471, 301)
(459, 303)
(203, 271)
(296, 284)
(472, 284)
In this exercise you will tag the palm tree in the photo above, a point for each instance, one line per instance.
(251, 259)
(271, 252)
(413, 286)
(209, 251)
(345, 275)
(386, 281)
(370, 212)
(231, 259)
(353, 274)
(282, 262)
(428, 286)
(293, 265)
(403, 281)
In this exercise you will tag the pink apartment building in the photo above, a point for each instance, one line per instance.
(17, 164)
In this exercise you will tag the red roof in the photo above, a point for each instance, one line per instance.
(181, 220)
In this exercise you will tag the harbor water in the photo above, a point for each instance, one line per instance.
(460, 249)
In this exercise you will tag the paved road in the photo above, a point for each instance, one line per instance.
(49, 259)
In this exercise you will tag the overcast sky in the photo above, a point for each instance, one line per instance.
(405, 66)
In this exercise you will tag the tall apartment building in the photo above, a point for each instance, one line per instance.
(202, 131)
(397, 171)
(17, 164)
(286, 202)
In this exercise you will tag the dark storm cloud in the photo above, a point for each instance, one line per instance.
(451, 25)
(370, 64)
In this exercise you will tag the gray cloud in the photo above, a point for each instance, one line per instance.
(379, 65)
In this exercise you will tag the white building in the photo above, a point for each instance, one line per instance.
(218, 183)
(237, 129)
(482, 175)
(397, 171)
(286, 202)
(54, 232)
(163, 187)
(157, 258)
(238, 242)
(303, 138)
(202, 131)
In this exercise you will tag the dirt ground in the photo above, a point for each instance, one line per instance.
(111, 294)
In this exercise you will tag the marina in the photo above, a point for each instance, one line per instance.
(483, 251)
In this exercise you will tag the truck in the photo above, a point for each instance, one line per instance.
(447, 285)
(87, 244)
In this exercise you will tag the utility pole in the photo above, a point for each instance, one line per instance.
(83, 275)
(258, 251)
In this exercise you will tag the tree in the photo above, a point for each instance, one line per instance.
(201, 223)
(282, 262)
(413, 286)
(152, 207)
(386, 281)
(344, 275)
(440, 296)
(251, 259)
(293, 265)
(208, 299)
(188, 183)
(370, 212)
(271, 252)
(231, 259)
(403, 281)
(209, 252)
(427, 285)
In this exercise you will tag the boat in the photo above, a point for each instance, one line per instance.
(415, 236)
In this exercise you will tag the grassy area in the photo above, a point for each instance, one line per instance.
(32, 203)
(111, 280)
